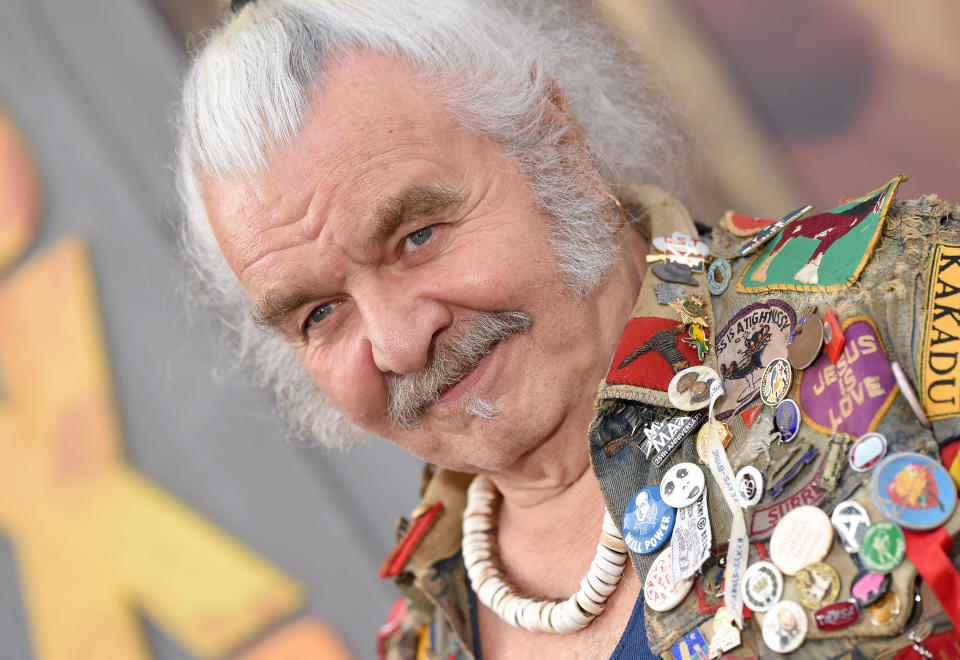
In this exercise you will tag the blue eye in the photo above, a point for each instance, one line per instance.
(420, 236)
(320, 313)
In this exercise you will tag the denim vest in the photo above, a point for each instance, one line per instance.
(891, 294)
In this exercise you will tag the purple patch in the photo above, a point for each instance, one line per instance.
(852, 395)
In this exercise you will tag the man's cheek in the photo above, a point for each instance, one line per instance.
(357, 389)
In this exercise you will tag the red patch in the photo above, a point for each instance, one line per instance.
(749, 416)
(743, 225)
(650, 368)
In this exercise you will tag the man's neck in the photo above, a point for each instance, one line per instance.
(548, 533)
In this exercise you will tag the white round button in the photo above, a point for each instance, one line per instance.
(785, 627)
(690, 388)
(660, 592)
(762, 586)
(682, 485)
(749, 483)
(802, 537)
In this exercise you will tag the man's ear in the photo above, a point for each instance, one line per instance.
(558, 111)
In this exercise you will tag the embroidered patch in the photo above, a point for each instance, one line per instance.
(650, 353)
(939, 365)
(822, 252)
(852, 395)
(754, 337)
(743, 226)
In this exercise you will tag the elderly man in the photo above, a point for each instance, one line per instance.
(426, 218)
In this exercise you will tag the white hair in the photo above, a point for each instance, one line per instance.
(494, 64)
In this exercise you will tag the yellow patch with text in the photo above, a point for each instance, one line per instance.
(940, 357)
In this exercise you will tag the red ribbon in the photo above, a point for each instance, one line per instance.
(400, 555)
(928, 552)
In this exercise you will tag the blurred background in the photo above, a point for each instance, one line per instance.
(151, 509)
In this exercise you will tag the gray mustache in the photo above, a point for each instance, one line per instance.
(469, 342)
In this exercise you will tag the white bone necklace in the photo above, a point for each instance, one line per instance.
(493, 587)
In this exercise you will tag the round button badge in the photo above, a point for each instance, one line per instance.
(803, 536)
(787, 419)
(817, 585)
(850, 520)
(762, 586)
(807, 341)
(868, 587)
(749, 482)
(913, 490)
(648, 521)
(682, 485)
(785, 627)
(660, 592)
(690, 388)
(883, 547)
(776, 381)
(867, 451)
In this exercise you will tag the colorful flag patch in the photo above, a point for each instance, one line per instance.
(822, 252)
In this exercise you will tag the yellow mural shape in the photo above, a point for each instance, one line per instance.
(20, 193)
(301, 640)
(97, 543)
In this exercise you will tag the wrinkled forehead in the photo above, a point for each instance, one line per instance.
(370, 114)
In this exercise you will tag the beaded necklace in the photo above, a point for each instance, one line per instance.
(495, 590)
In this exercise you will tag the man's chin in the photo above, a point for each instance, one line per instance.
(480, 407)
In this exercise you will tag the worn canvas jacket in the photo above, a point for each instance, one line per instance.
(899, 273)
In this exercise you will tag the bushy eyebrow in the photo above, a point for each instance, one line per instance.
(413, 203)
(274, 308)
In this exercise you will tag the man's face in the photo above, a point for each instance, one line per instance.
(379, 236)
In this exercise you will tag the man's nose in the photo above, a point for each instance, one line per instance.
(400, 323)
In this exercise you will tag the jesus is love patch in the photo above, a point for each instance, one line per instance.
(852, 395)
(822, 252)
(939, 365)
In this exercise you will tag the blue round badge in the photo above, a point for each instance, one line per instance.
(787, 419)
(913, 490)
(648, 521)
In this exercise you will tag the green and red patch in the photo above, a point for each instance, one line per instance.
(822, 252)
